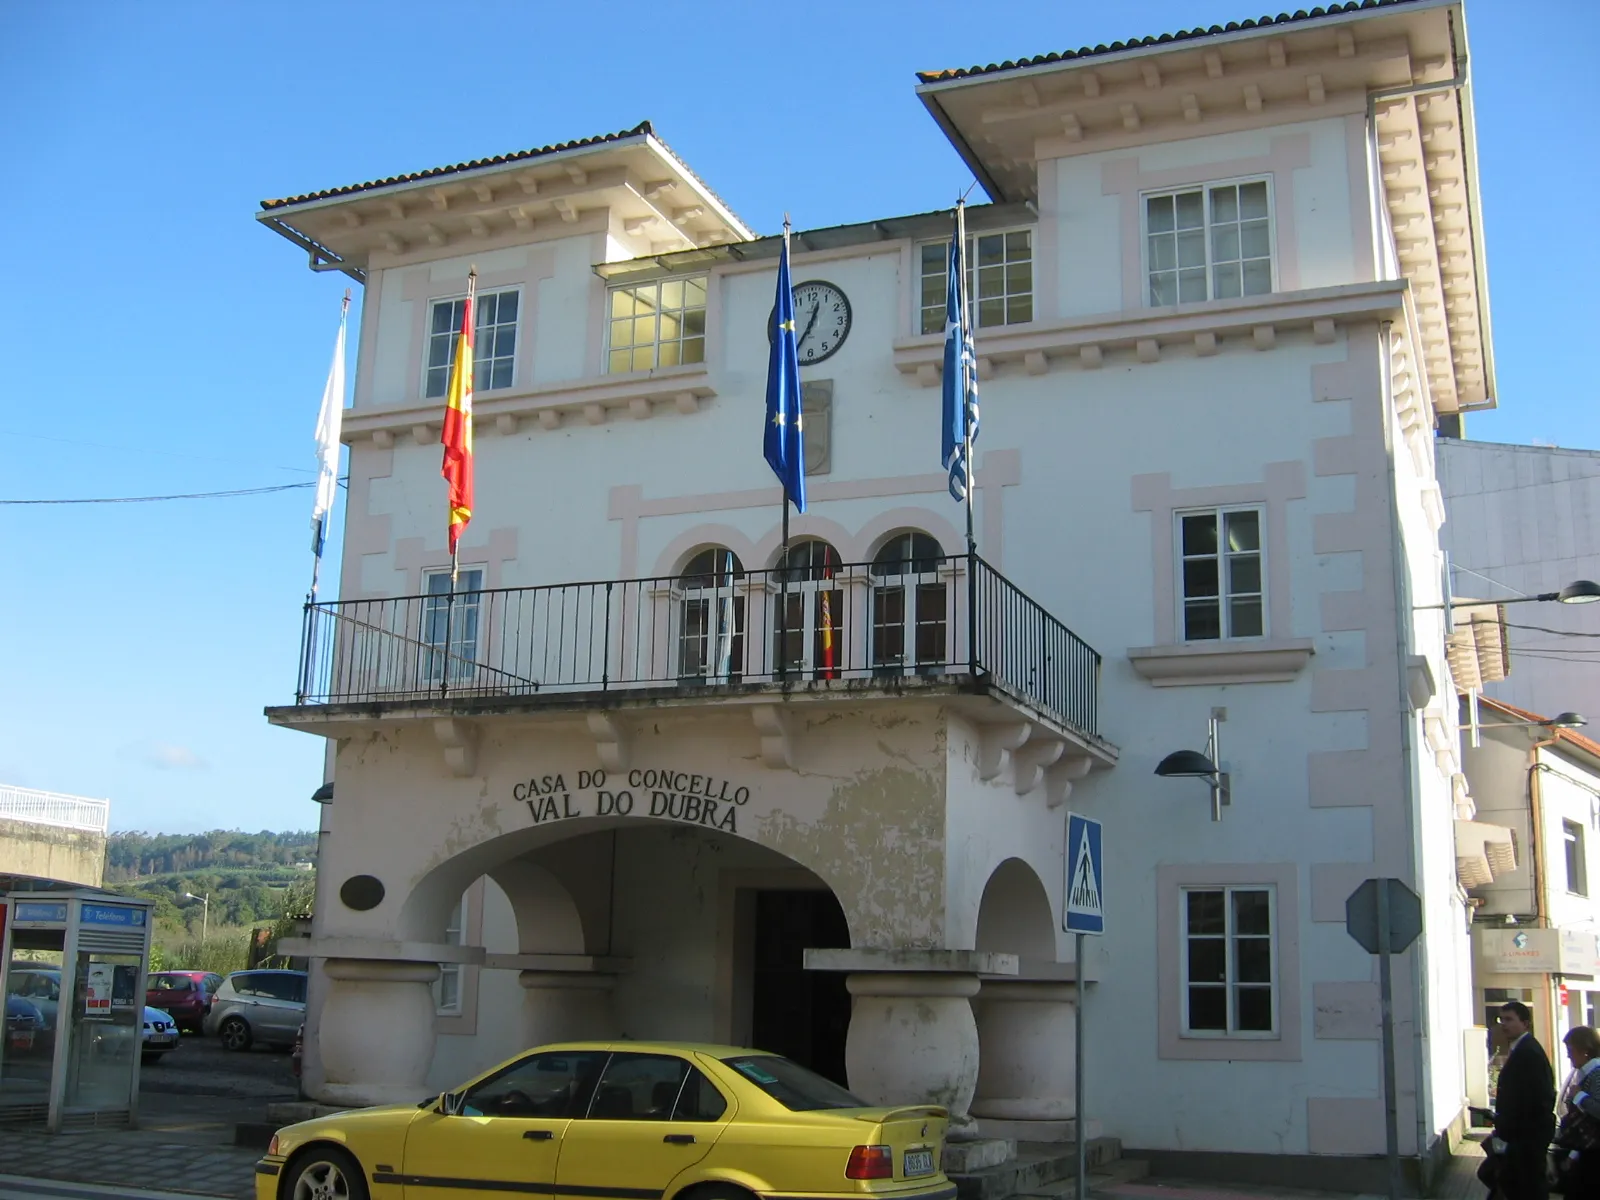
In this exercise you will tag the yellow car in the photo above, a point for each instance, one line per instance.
(620, 1121)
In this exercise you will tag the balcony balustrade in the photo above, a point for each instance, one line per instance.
(853, 626)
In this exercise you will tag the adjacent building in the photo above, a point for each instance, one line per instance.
(47, 838)
(647, 770)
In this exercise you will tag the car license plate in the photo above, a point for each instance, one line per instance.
(162, 1039)
(22, 1041)
(918, 1162)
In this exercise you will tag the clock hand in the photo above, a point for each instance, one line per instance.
(810, 325)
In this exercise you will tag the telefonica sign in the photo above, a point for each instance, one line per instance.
(1539, 951)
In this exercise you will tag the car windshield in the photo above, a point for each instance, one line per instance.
(791, 1085)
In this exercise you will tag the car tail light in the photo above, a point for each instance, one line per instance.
(870, 1162)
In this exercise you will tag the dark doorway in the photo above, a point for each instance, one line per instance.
(801, 1014)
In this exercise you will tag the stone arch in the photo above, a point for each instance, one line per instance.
(677, 553)
(1014, 915)
(886, 525)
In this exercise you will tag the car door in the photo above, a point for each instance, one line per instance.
(278, 1015)
(504, 1133)
(652, 1116)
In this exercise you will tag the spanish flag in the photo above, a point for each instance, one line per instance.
(457, 435)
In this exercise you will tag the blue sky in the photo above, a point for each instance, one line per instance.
(159, 342)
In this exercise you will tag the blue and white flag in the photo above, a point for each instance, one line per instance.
(960, 410)
(784, 445)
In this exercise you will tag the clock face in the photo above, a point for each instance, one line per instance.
(821, 320)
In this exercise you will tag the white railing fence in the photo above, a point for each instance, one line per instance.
(53, 808)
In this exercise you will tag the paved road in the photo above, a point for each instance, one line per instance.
(17, 1187)
(201, 1067)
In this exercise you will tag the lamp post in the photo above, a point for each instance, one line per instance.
(1192, 764)
(205, 911)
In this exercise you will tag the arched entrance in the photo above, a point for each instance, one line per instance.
(637, 928)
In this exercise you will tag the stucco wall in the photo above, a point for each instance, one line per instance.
(49, 852)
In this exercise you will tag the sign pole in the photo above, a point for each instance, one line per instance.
(1077, 1074)
(1391, 1133)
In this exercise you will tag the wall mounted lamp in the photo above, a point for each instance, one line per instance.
(1193, 764)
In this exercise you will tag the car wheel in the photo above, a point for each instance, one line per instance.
(235, 1034)
(325, 1173)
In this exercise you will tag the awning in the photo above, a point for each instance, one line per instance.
(1483, 851)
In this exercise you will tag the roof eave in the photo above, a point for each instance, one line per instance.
(1133, 53)
(705, 193)
(991, 188)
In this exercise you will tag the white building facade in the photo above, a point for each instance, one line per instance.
(1227, 285)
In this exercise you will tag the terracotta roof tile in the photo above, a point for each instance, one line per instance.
(1533, 718)
(1160, 39)
(642, 128)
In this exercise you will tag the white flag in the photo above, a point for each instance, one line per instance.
(328, 424)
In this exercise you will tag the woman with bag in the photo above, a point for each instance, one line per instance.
(1575, 1153)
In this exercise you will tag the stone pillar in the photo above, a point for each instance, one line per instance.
(1025, 1033)
(913, 1040)
(567, 1006)
(376, 1032)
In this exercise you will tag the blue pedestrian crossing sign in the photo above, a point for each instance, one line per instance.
(1083, 911)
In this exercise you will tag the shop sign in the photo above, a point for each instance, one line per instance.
(1521, 951)
(705, 800)
(1580, 953)
(116, 915)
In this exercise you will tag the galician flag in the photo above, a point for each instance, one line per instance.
(457, 434)
(329, 420)
(959, 416)
(784, 447)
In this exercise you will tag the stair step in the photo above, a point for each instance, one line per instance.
(1122, 1170)
(1036, 1166)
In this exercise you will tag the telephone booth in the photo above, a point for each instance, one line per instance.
(81, 1069)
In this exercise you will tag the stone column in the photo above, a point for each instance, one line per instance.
(913, 1040)
(567, 1006)
(1025, 1032)
(376, 1031)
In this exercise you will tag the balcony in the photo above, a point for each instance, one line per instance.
(947, 625)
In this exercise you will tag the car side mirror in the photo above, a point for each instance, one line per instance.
(450, 1103)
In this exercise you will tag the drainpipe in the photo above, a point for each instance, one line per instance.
(1540, 867)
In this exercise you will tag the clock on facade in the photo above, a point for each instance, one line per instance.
(821, 320)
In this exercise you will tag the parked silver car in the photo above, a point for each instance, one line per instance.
(251, 1007)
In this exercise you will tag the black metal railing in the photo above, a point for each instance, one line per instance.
(854, 621)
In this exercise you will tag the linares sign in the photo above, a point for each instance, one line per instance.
(704, 800)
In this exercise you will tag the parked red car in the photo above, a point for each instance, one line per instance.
(185, 996)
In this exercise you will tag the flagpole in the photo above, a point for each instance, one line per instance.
(783, 548)
(322, 522)
(966, 382)
(455, 542)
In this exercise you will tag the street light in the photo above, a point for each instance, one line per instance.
(1192, 764)
(1566, 720)
(205, 912)
(1579, 591)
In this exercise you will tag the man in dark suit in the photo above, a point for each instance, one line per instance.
(1524, 1109)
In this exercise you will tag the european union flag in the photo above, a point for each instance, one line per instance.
(959, 416)
(785, 448)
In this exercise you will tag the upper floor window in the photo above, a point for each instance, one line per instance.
(1229, 962)
(909, 604)
(999, 279)
(450, 624)
(660, 324)
(808, 620)
(1577, 874)
(1209, 243)
(711, 633)
(494, 347)
(1220, 550)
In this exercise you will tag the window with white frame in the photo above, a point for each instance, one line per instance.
(450, 624)
(1577, 871)
(447, 988)
(1220, 549)
(999, 279)
(661, 324)
(494, 346)
(1209, 243)
(1229, 961)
